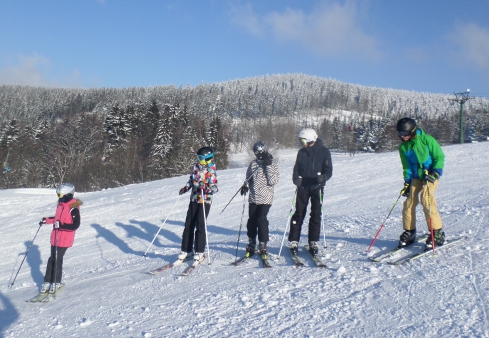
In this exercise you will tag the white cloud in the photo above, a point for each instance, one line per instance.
(244, 16)
(472, 43)
(330, 29)
(34, 71)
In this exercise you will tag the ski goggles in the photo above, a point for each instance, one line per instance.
(303, 141)
(406, 133)
(403, 133)
(205, 159)
(60, 195)
(204, 162)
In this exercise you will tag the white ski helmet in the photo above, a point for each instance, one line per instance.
(65, 189)
(308, 134)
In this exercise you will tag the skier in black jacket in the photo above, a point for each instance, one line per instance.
(313, 167)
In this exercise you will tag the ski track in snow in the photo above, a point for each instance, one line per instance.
(108, 291)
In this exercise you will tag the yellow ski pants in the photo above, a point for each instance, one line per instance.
(424, 193)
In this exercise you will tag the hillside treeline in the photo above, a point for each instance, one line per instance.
(100, 138)
(93, 151)
(264, 96)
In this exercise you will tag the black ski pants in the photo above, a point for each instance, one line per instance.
(302, 200)
(55, 263)
(195, 223)
(257, 221)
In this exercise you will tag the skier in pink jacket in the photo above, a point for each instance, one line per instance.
(65, 223)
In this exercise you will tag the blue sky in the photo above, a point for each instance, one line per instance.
(421, 45)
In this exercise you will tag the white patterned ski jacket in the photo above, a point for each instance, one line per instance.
(261, 182)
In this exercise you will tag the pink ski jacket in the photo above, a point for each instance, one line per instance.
(65, 235)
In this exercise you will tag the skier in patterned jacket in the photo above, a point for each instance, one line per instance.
(203, 185)
(261, 176)
(422, 162)
(65, 223)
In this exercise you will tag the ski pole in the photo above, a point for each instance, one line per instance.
(240, 225)
(382, 226)
(431, 220)
(322, 221)
(288, 220)
(26, 254)
(53, 280)
(205, 227)
(239, 189)
(162, 225)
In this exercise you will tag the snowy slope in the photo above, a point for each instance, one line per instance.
(108, 292)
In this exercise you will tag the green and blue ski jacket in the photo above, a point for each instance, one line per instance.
(421, 153)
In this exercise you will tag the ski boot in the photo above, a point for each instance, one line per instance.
(45, 287)
(439, 239)
(250, 248)
(54, 287)
(407, 238)
(183, 255)
(263, 250)
(313, 248)
(198, 256)
(294, 248)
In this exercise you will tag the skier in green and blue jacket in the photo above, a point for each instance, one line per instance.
(422, 162)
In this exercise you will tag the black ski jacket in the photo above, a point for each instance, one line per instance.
(310, 162)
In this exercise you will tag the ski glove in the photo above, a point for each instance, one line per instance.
(431, 177)
(267, 159)
(184, 190)
(43, 221)
(321, 178)
(244, 189)
(405, 189)
(297, 182)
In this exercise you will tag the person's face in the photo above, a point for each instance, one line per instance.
(303, 142)
(406, 138)
(404, 135)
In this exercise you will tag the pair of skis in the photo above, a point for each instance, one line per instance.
(186, 272)
(263, 257)
(298, 262)
(45, 297)
(410, 256)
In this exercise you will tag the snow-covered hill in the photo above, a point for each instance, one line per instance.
(109, 294)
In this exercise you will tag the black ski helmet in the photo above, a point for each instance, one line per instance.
(205, 153)
(259, 149)
(406, 126)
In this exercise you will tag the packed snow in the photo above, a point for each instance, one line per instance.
(108, 292)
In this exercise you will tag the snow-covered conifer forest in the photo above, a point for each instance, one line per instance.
(108, 137)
